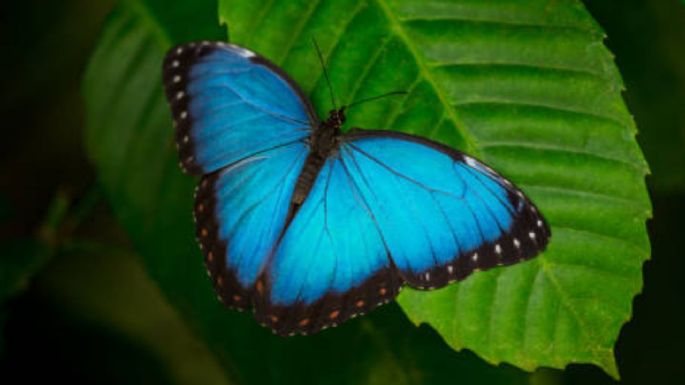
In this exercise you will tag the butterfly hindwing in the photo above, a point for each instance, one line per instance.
(331, 263)
(442, 214)
(240, 212)
(229, 103)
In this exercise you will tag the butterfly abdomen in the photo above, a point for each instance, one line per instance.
(312, 167)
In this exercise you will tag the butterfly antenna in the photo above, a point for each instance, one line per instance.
(325, 73)
(375, 97)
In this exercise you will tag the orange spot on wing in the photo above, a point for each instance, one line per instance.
(359, 303)
(334, 314)
(304, 322)
(382, 291)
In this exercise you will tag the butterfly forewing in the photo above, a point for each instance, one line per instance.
(242, 125)
(228, 104)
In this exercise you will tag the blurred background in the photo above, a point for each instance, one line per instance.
(82, 307)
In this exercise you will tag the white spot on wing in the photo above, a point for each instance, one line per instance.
(177, 78)
(470, 161)
(474, 257)
(450, 269)
(531, 235)
(517, 244)
(241, 51)
(539, 223)
(498, 249)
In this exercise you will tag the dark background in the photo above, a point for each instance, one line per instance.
(54, 222)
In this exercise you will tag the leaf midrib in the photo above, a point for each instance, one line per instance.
(397, 27)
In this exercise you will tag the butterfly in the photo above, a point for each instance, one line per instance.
(308, 226)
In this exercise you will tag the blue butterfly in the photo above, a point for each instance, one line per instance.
(309, 226)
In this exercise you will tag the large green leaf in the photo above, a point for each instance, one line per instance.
(529, 87)
(129, 139)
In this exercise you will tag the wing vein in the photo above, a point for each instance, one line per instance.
(366, 204)
(506, 205)
(398, 174)
(288, 119)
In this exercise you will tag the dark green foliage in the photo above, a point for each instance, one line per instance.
(527, 86)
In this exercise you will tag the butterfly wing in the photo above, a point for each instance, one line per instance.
(330, 264)
(442, 213)
(390, 208)
(240, 212)
(229, 103)
(242, 123)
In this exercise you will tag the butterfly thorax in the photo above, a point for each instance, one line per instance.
(324, 139)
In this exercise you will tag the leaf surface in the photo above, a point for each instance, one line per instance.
(530, 88)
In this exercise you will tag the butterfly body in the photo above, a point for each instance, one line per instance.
(322, 144)
(309, 226)
(326, 138)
